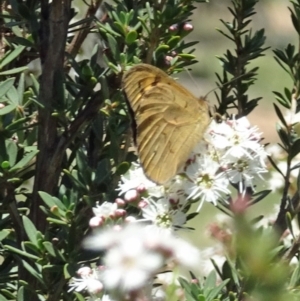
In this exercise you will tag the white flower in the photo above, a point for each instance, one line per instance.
(105, 210)
(230, 151)
(161, 214)
(133, 179)
(244, 170)
(78, 284)
(89, 282)
(135, 254)
(185, 254)
(237, 138)
(207, 185)
(130, 265)
(217, 254)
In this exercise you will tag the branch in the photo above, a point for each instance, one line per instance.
(74, 47)
(53, 35)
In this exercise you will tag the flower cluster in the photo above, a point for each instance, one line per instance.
(134, 256)
(230, 153)
(136, 249)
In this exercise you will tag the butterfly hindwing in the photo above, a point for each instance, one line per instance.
(169, 120)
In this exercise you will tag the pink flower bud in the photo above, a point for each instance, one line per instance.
(117, 228)
(84, 271)
(168, 58)
(120, 202)
(120, 213)
(141, 188)
(142, 204)
(96, 221)
(188, 27)
(131, 196)
(130, 219)
(94, 286)
(173, 27)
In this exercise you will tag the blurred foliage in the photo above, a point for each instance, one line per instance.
(64, 138)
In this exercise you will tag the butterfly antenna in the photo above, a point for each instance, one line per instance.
(214, 89)
(192, 78)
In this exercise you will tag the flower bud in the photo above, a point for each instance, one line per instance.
(120, 213)
(131, 196)
(173, 28)
(120, 202)
(84, 271)
(188, 27)
(142, 204)
(96, 221)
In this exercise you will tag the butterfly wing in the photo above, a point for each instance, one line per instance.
(170, 121)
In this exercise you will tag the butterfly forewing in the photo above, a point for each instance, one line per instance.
(170, 121)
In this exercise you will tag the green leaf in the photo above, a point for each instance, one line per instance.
(56, 221)
(51, 201)
(279, 114)
(12, 151)
(2, 298)
(191, 290)
(288, 219)
(131, 37)
(104, 88)
(33, 272)
(79, 296)
(295, 279)
(84, 172)
(281, 99)
(14, 70)
(173, 41)
(113, 46)
(13, 96)
(215, 291)
(21, 88)
(258, 196)
(161, 49)
(186, 56)
(283, 136)
(119, 26)
(3, 234)
(30, 229)
(49, 247)
(24, 161)
(6, 85)
(7, 109)
(11, 56)
(20, 252)
(28, 245)
(75, 179)
(295, 149)
(66, 271)
(94, 56)
(122, 168)
(21, 41)
(17, 124)
(210, 282)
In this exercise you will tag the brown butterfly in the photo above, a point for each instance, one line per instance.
(169, 120)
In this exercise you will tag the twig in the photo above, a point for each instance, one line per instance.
(74, 47)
